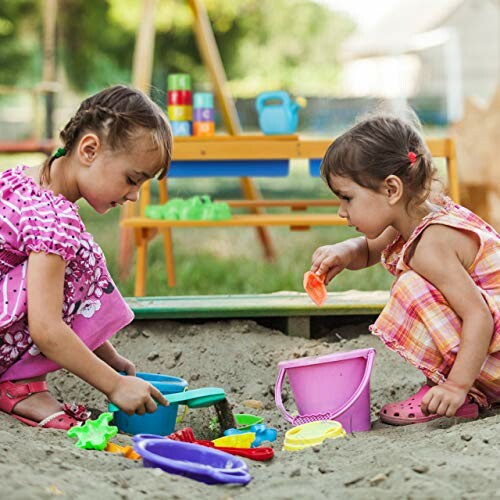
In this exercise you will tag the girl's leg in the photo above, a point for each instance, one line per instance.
(419, 324)
(29, 401)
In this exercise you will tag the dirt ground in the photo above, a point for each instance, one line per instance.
(447, 458)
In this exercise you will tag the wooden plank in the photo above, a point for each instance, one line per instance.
(294, 219)
(27, 146)
(270, 147)
(294, 204)
(281, 304)
(142, 68)
(312, 148)
(192, 139)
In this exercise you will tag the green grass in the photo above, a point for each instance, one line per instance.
(230, 260)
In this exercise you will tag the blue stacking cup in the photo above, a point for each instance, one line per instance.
(181, 128)
(162, 421)
(203, 100)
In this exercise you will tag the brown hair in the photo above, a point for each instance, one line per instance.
(377, 147)
(116, 115)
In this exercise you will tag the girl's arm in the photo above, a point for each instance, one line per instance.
(58, 342)
(110, 356)
(442, 257)
(354, 253)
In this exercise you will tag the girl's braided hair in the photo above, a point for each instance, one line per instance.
(116, 115)
(379, 146)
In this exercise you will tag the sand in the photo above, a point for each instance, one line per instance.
(446, 458)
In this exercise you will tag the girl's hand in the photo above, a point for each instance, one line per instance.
(444, 399)
(121, 364)
(134, 395)
(330, 260)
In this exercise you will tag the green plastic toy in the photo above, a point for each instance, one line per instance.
(244, 421)
(195, 208)
(154, 211)
(94, 434)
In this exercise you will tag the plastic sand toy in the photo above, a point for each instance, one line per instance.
(126, 451)
(331, 387)
(312, 434)
(315, 287)
(197, 398)
(262, 433)
(187, 436)
(94, 434)
(207, 465)
(194, 208)
(162, 421)
(244, 440)
(244, 421)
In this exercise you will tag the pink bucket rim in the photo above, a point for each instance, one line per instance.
(327, 358)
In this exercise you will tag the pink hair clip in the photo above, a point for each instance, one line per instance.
(412, 157)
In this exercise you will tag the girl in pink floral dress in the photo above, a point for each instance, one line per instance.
(443, 314)
(59, 305)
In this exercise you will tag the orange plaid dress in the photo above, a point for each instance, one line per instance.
(417, 321)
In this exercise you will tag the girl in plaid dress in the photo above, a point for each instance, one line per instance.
(443, 314)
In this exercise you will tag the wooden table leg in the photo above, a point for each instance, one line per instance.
(126, 243)
(141, 236)
(251, 192)
(169, 257)
(167, 237)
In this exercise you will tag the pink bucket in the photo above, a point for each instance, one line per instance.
(331, 387)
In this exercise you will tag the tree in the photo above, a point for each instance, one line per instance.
(290, 44)
(19, 28)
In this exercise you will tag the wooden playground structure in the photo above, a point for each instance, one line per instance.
(207, 153)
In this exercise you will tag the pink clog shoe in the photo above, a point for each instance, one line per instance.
(409, 412)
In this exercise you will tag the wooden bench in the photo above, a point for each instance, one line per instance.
(28, 146)
(202, 153)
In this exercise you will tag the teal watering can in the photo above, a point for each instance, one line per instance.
(277, 113)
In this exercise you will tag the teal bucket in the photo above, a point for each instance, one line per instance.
(162, 421)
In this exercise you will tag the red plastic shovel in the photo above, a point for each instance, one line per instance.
(315, 287)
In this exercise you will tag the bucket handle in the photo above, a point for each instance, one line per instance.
(277, 95)
(277, 394)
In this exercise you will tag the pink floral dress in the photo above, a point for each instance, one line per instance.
(418, 322)
(33, 219)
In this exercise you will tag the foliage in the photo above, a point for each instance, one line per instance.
(290, 44)
(96, 51)
(17, 40)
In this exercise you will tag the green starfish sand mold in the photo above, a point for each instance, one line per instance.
(94, 434)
